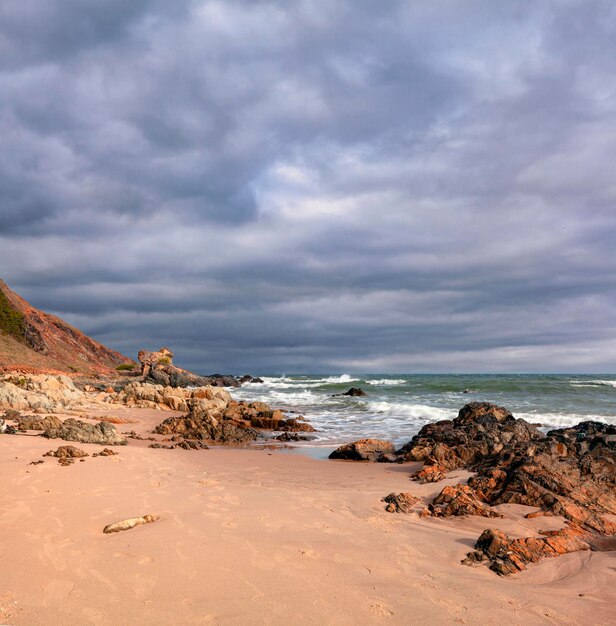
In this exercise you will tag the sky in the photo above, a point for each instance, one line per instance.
(316, 185)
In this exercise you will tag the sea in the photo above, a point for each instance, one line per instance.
(397, 405)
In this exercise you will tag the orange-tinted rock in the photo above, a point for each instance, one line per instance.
(430, 474)
(400, 503)
(364, 450)
(508, 556)
(457, 500)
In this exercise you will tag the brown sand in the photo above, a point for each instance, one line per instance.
(258, 537)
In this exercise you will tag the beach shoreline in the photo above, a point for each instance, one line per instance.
(261, 537)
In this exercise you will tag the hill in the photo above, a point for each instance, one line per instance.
(32, 339)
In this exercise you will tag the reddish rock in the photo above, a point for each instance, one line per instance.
(430, 474)
(400, 503)
(455, 500)
(364, 450)
(508, 556)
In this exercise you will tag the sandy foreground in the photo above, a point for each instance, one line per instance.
(259, 537)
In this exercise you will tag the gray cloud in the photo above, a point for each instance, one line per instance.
(317, 186)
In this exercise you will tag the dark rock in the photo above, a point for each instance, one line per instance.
(75, 430)
(353, 391)
(33, 422)
(249, 379)
(287, 436)
(364, 450)
(11, 414)
(401, 502)
(192, 445)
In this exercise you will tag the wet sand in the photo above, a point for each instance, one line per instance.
(258, 537)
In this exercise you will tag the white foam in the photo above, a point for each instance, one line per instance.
(560, 420)
(593, 383)
(387, 381)
(343, 378)
(417, 411)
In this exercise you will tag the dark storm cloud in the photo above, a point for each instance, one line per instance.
(314, 185)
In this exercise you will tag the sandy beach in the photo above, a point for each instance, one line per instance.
(259, 537)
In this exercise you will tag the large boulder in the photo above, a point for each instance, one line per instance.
(365, 450)
(76, 430)
(481, 431)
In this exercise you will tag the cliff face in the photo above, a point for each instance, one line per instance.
(33, 339)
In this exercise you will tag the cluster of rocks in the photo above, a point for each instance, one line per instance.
(569, 472)
(66, 455)
(41, 393)
(237, 422)
(70, 429)
(157, 367)
(210, 414)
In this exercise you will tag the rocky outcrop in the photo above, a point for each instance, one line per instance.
(148, 395)
(508, 556)
(202, 425)
(157, 367)
(75, 430)
(571, 472)
(40, 393)
(400, 502)
(481, 430)
(365, 450)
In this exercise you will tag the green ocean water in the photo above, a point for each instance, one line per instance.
(398, 405)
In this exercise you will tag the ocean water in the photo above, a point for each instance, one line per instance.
(397, 406)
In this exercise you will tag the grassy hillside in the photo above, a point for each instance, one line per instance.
(12, 322)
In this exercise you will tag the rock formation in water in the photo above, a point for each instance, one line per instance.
(569, 472)
(158, 368)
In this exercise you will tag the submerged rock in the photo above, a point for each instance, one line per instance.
(353, 391)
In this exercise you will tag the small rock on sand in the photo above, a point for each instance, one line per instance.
(127, 524)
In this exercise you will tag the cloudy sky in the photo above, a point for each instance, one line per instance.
(316, 185)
